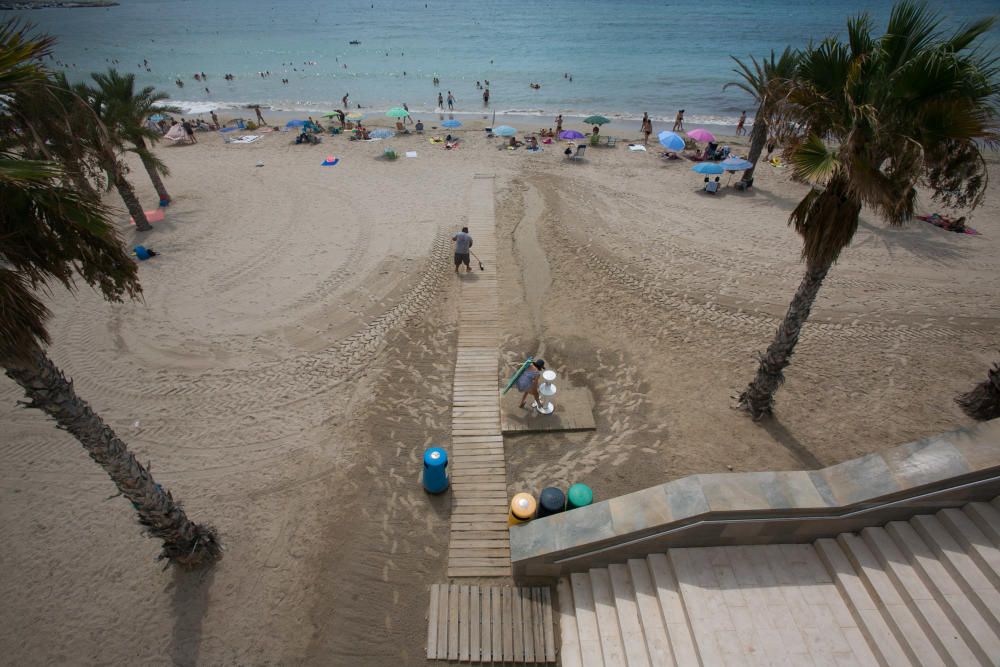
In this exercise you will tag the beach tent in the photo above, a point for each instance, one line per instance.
(176, 133)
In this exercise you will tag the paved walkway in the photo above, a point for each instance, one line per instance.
(479, 545)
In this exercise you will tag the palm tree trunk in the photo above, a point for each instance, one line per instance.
(758, 398)
(185, 543)
(758, 137)
(983, 402)
(154, 175)
(131, 201)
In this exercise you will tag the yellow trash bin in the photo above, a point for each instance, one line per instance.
(522, 508)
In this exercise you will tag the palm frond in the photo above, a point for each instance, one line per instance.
(812, 161)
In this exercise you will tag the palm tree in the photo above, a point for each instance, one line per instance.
(126, 111)
(767, 82)
(983, 401)
(912, 106)
(50, 232)
(105, 143)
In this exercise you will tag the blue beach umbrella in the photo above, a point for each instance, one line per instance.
(157, 117)
(296, 123)
(451, 123)
(708, 168)
(671, 141)
(504, 131)
(735, 164)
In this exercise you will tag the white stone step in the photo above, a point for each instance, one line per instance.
(586, 620)
(569, 652)
(895, 609)
(935, 622)
(627, 607)
(986, 518)
(675, 617)
(974, 628)
(961, 566)
(653, 627)
(977, 545)
(607, 619)
(712, 626)
(863, 607)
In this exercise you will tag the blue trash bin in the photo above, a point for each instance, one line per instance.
(435, 470)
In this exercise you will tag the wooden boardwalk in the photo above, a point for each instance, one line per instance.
(490, 624)
(479, 545)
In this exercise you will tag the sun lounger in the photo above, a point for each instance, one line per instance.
(578, 155)
(612, 142)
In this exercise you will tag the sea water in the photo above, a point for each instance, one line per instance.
(624, 57)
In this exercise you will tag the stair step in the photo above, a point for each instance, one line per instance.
(935, 622)
(711, 623)
(586, 620)
(975, 630)
(897, 613)
(977, 545)
(668, 594)
(627, 607)
(569, 636)
(986, 518)
(961, 566)
(653, 627)
(607, 619)
(881, 638)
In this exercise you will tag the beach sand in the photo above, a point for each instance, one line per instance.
(293, 357)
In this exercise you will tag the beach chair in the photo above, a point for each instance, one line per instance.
(612, 142)
(578, 155)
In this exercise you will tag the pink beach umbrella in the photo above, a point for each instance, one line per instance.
(701, 135)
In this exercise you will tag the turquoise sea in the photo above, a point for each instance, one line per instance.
(625, 57)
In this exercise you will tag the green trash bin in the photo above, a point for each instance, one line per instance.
(579, 495)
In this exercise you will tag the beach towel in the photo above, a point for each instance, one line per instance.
(245, 139)
(156, 215)
(330, 161)
(411, 153)
(947, 224)
(636, 147)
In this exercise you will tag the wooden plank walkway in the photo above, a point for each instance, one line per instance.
(479, 545)
(477, 623)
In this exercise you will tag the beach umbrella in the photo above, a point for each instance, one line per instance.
(381, 133)
(671, 141)
(708, 168)
(734, 163)
(355, 115)
(504, 131)
(596, 120)
(296, 123)
(397, 112)
(331, 115)
(157, 117)
(570, 134)
(451, 123)
(701, 135)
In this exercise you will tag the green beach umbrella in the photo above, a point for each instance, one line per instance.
(397, 112)
(331, 115)
(596, 120)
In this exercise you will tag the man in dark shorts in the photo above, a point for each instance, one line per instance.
(463, 246)
(189, 131)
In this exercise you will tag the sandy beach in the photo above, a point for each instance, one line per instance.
(293, 357)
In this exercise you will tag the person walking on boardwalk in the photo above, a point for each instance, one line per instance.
(463, 246)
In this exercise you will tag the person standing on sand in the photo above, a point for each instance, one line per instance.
(260, 118)
(739, 126)
(647, 128)
(451, 101)
(463, 246)
(558, 124)
(679, 121)
(215, 120)
(189, 131)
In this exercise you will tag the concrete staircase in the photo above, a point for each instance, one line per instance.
(918, 592)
